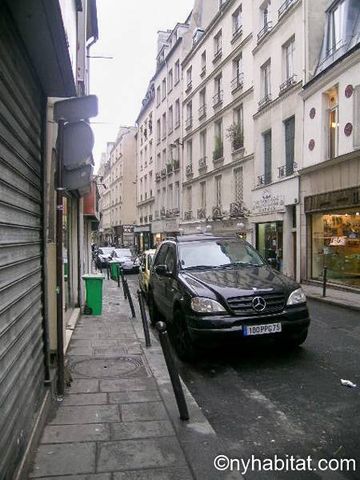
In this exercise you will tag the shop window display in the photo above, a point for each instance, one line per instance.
(336, 245)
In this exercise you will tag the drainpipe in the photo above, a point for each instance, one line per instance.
(59, 261)
(79, 252)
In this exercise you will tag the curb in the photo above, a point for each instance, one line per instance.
(333, 302)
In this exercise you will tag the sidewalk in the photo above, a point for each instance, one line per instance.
(333, 296)
(119, 419)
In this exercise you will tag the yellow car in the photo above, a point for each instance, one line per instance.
(146, 259)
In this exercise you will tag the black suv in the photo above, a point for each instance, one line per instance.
(211, 289)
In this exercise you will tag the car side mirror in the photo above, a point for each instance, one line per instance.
(162, 270)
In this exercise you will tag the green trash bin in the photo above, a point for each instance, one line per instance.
(114, 270)
(93, 285)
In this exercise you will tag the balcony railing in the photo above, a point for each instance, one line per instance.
(264, 31)
(260, 180)
(217, 213)
(169, 168)
(189, 170)
(202, 111)
(188, 123)
(202, 164)
(237, 82)
(176, 165)
(218, 98)
(237, 31)
(289, 82)
(236, 209)
(286, 170)
(163, 172)
(157, 177)
(188, 87)
(203, 71)
(201, 213)
(176, 211)
(188, 215)
(285, 7)
(265, 100)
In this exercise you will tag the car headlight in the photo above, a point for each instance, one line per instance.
(206, 305)
(295, 297)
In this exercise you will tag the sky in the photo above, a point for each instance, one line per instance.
(128, 33)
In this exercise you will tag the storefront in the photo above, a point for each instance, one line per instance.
(143, 237)
(334, 236)
(269, 243)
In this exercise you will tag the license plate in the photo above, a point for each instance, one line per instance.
(262, 329)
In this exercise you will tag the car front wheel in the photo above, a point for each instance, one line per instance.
(180, 338)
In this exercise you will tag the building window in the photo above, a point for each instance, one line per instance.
(267, 157)
(164, 125)
(202, 103)
(218, 191)
(236, 131)
(237, 21)
(189, 152)
(218, 140)
(170, 80)
(177, 195)
(188, 79)
(238, 185)
(170, 197)
(203, 144)
(158, 96)
(163, 163)
(163, 89)
(237, 66)
(203, 195)
(150, 124)
(177, 72)
(265, 83)
(288, 56)
(158, 131)
(203, 63)
(335, 28)
(332, 123)
(218, 44)
(171, 119)
(188, 121)
(289, 127)
(218, 92)
(265, 21)
(177, 113)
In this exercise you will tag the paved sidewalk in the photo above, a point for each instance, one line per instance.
(119, 420)
(333, 296)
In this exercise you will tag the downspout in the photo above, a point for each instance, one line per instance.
(79, 299)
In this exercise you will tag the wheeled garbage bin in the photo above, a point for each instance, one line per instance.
(93, 286)
(114, 270)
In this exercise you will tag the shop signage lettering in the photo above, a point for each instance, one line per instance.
(128, 228)
(341, 198)
(268, 203)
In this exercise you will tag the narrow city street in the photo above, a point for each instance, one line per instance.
(270, 402)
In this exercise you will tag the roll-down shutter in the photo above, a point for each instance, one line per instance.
(21, 343)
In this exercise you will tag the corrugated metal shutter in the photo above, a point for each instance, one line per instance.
(21, 343)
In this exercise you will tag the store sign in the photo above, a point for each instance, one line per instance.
(268, 203)
(142, 228)
(349, 197)
(128, 228)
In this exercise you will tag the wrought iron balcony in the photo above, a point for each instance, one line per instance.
(189, 170)
(202, 111)
(236, 210)
(217, 213)
(218, 98)
(264, 31)
(163, 172)
(237, 82)
(286, 170)
(201, 213)
(285, 7)
(289, 82)
(188, 87)
(203, 71)
(202, 164)
(157, 177)
(265, 100)
(188, 215)
(169, 168)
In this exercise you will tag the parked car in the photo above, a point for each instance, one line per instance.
(144, 273)
(103, 256)
(214, 289)
(128, 261)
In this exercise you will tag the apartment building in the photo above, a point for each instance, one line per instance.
(105, 233)
(218, 135)
(145, 168)
(330, 174)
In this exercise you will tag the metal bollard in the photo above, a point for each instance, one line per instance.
(174, 374)
(118, 274)
(128, 294)
(144, 319)
(108, 271)
(324, 281)
(123, 282)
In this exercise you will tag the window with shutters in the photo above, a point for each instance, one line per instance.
(238, 185)
(267, 157)
(289, 126)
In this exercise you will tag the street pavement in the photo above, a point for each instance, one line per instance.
(119, 420)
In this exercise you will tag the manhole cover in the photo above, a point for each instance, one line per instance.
(129, 366)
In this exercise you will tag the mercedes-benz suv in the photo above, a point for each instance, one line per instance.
(213, 289)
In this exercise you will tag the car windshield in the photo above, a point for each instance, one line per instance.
(218, 253)
(123, 252)
(105, 250)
